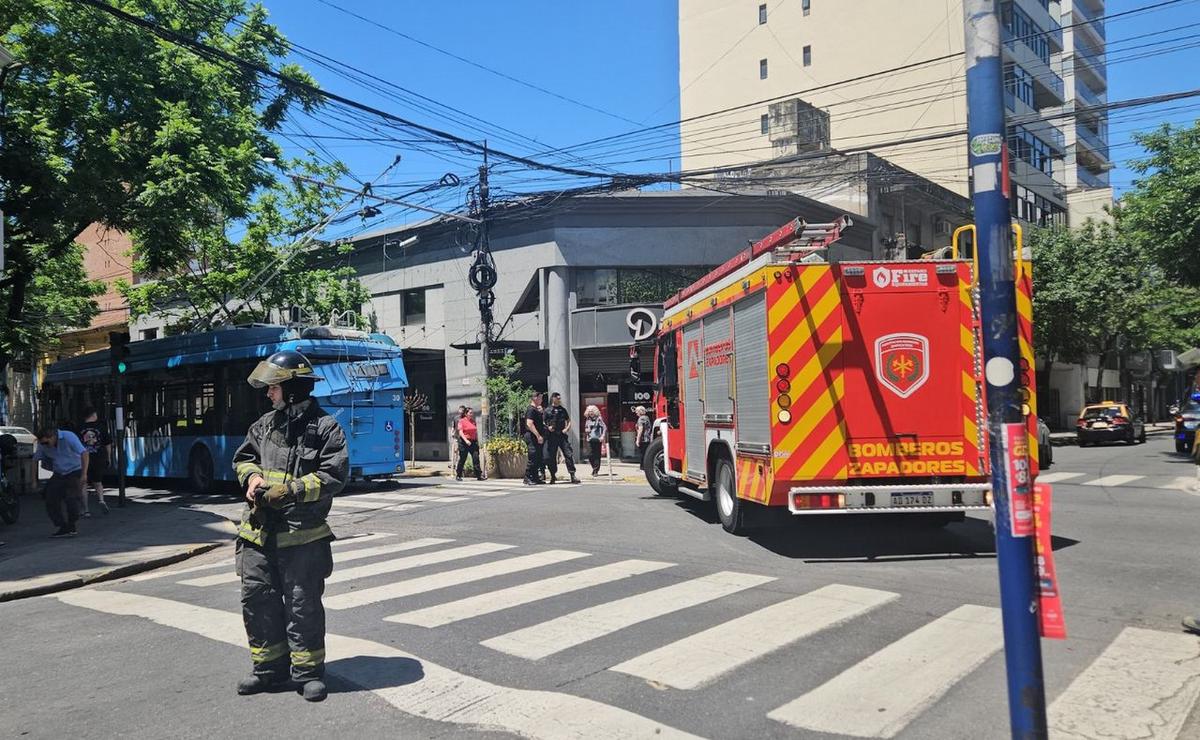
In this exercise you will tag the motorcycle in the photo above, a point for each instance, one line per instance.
(10, 503)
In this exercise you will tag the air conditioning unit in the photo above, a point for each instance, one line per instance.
(942, 227)
(1168, 360)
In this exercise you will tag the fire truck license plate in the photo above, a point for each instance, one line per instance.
(920, 498)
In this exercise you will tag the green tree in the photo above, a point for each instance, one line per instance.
(1162, 212)
(508, 397)
(239, 281)
(107, 123)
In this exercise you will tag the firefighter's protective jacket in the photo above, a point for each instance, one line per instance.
(309, 456)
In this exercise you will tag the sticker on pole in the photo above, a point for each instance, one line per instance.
(1051, 622)
(986, 145)
(1020, 483)
(902, 362)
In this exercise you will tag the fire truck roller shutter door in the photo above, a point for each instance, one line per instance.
(718, 366)
(753, 414)
(693, 405)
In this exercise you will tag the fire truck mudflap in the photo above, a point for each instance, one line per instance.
(885, 387)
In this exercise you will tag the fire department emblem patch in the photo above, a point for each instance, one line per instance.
(902, 362)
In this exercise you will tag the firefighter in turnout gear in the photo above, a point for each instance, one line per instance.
(292, 463)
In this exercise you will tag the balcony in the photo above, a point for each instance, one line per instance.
(1090, 65)
(1094, 141)
(1046, 22)
(1087, 96)
(1088, 179)
(1092, 19)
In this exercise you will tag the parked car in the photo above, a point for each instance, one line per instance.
(1187, 420)
(1109, 421)
(1045, 451)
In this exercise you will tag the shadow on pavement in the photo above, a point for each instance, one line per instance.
(866, 537)
(371, 673)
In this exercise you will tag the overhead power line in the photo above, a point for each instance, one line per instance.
(213, 52)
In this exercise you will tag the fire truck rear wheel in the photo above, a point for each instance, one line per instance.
(730, 509)
(655, 465)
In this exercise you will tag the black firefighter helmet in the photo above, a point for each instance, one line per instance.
(282, 367)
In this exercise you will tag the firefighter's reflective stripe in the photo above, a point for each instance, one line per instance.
(258, 536)
(245, 470)
(276, 476)
(312, 487)
(270, 653)
(308, 658)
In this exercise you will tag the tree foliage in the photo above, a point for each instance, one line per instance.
(109, 124)
(239, 280)
(1162, 212)
(508, 397)
(1097, 291)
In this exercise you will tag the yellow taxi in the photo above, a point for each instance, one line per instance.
(1109, 421)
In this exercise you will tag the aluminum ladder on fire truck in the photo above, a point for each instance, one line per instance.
(802, 241)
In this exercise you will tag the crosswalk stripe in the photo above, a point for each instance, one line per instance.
(1143, 685)
(341, 507)
(415, 561)
(374, 502)
(338, 557)
(879, 696)
(450, 578)
(525, 593)
(573, 629)
(227, 562)
(397, 497)
(1056, 477)
(1113, 480)
(1188, 483)
(478, 492)
(701, 658)
(412, 684)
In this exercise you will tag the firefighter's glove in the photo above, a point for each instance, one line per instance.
(277, 495)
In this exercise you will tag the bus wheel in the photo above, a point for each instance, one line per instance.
(730, 509)
(655, 466)
(200, 470)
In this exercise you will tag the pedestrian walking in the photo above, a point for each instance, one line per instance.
(61, 452)
(558, 427)
(595, 431)
(467, 433)
(534, 433)
(94, 435)
(642, 433)
(292, 463)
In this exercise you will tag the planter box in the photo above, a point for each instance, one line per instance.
(506, 465)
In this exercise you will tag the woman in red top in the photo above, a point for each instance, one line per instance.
(468, 443)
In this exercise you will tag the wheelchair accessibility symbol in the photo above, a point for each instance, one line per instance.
(387, 427)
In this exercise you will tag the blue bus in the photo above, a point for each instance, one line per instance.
(188, 405)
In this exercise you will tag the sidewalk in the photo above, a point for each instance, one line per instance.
(622, 472)
(138, 537)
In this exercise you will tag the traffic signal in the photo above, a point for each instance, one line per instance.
(118, 351)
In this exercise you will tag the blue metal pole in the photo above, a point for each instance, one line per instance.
(997, 293)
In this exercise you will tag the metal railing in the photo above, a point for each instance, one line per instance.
(1092, 138)
(1094, 18)
(1089, 179)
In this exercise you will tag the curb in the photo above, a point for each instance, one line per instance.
(423, 473)
(108, 575)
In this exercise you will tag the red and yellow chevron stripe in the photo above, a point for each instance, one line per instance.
(754, 478)
(804, 325)
(1027, 370)
(974, 428)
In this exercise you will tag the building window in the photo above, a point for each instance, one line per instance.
(808, 56)
(412, 306)
(764, 123)
(762, 69)
(610, 287)
(149, 334)
(762, 14)
(806, 5)
(1018, 85)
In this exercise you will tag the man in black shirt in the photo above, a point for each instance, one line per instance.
(535, 436)
(93, 433)
(558, 424)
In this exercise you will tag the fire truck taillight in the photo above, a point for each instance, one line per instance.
(783, 385)
(784, 416)
(818, 500)
(784, 401)
(782, 370)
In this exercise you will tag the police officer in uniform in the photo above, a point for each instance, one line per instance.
(292, 463)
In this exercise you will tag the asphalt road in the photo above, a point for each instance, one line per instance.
(600, 611)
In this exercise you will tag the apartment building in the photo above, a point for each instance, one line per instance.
(738, 57)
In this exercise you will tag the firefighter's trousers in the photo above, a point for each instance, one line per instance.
(282, 610)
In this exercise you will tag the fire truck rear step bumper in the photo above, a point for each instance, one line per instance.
(890, 499)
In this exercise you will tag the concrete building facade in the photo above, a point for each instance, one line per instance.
(737, 58)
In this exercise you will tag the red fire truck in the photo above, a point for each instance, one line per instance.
(855, 387)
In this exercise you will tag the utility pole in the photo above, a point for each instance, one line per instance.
(1006, 429)
(482, 277)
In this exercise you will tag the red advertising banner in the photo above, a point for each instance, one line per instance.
(1020, 482)
(1050, 614)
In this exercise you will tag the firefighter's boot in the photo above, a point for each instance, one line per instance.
(257, 684)
(314, 691)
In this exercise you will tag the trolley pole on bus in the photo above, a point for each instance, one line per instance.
(997, 295)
